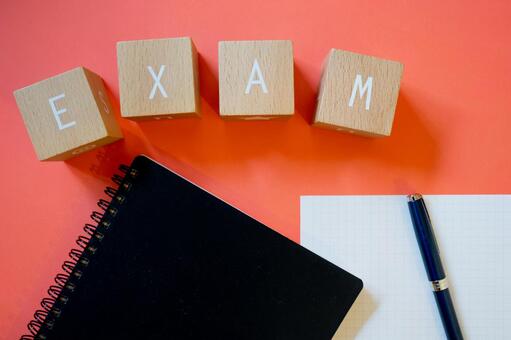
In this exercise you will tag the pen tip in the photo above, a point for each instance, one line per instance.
(414, 197)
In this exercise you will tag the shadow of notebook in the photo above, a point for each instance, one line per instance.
(168, 260)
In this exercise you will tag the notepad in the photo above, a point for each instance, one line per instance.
(373, 238)
(167, 260)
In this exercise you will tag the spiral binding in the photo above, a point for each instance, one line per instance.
(79, 258)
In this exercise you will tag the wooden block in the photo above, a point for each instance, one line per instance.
(256, 79)
(158, 78)
(67, 114)
(358, 93)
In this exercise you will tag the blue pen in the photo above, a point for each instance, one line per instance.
(431, 257)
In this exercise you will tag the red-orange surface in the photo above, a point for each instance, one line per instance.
(450, 131)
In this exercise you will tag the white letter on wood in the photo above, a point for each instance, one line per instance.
(368, 86)
(157, 84)
(103, 100)
(57, 112)
(256, 71)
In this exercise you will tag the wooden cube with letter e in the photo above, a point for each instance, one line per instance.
(358, 94)
(256, 79)
(158, 78)
(67, 114)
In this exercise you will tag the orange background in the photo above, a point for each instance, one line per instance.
(450, 131)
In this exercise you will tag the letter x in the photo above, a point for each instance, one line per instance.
(157, 84)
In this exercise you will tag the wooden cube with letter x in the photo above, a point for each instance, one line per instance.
(158, 78)
(67, 114)
(256, 79)
(358, 94)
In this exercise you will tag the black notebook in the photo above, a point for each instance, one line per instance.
(167, 260)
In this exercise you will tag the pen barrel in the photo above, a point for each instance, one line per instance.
(426, 240)
(448, 315)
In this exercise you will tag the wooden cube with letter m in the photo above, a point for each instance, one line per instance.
(67, 114)
(358, 94)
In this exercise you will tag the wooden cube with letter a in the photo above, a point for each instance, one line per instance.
(256, 79)
(67, 114)
(158, 78)
(358, 94)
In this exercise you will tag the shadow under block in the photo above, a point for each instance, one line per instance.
(358, 94)
(158, 78)
(67, 114)
(256, 79)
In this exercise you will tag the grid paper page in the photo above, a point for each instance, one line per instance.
(372, 237)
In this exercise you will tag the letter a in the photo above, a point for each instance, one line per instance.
(157, 84)
(57, 112)
(256, 71)
(368, 86)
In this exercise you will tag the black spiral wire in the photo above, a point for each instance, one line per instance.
(79, 258)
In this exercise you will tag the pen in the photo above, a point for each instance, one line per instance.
(431, 258)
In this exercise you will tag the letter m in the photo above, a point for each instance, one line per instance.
(362, 89)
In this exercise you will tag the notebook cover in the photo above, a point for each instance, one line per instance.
(168, 260)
